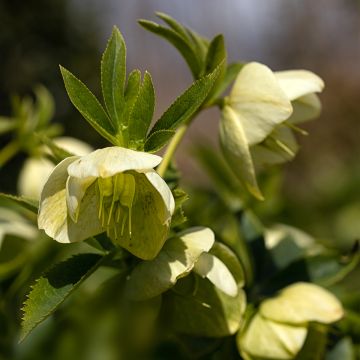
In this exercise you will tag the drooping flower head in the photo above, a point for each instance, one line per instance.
(258, 117)
(114, 190)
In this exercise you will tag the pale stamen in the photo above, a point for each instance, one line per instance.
(115, 194)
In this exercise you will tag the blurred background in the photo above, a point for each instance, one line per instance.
(320, 189)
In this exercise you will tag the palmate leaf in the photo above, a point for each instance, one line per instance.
(129, 107)
(181, 110)
(113, 75)
(51, 289)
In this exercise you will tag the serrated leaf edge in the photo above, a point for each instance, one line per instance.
(23, 334)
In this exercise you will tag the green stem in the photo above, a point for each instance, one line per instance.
(176, 140)
(170, 151)
(8, 152)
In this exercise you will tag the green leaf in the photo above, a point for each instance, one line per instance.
(175, 260)
(183, 45)
(51, 289)
(226, 183)
(191, 45)
(344, 350)
(58, 153)
(89, 107)
(29, 204)
(157, 140)
(180, 197)
(229, 258)
(200, 309)
(6, 124)
(216, 55)
(131, 92)
(113, 76)
(45, 106)
(176, 26)
(200, 46)
(315, 344)
(187, 104)
(230, 74)
(350, 324)
(142, 111)
(328, 270)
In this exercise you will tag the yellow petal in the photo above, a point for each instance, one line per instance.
(145, 235)
(303, 302)
(110, 161)
(236, 150)
(33, 176)
(306, 108)
(279, 147)
(73, 145)
(175, 260)
(267, 339)
(53, 215)
(297, 83)
(210, 267)
(163, 189)
(259, 101)
(75, 191)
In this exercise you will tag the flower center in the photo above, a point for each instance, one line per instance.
(116, 200)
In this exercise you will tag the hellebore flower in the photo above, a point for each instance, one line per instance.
(300, 86)
(255, 106)
(258, 117)
(114, 190)
(279, 329)
(183, 253)
(36, 170)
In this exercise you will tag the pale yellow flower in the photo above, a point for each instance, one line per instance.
(279, 329)
(258, 117)
(114, 190)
